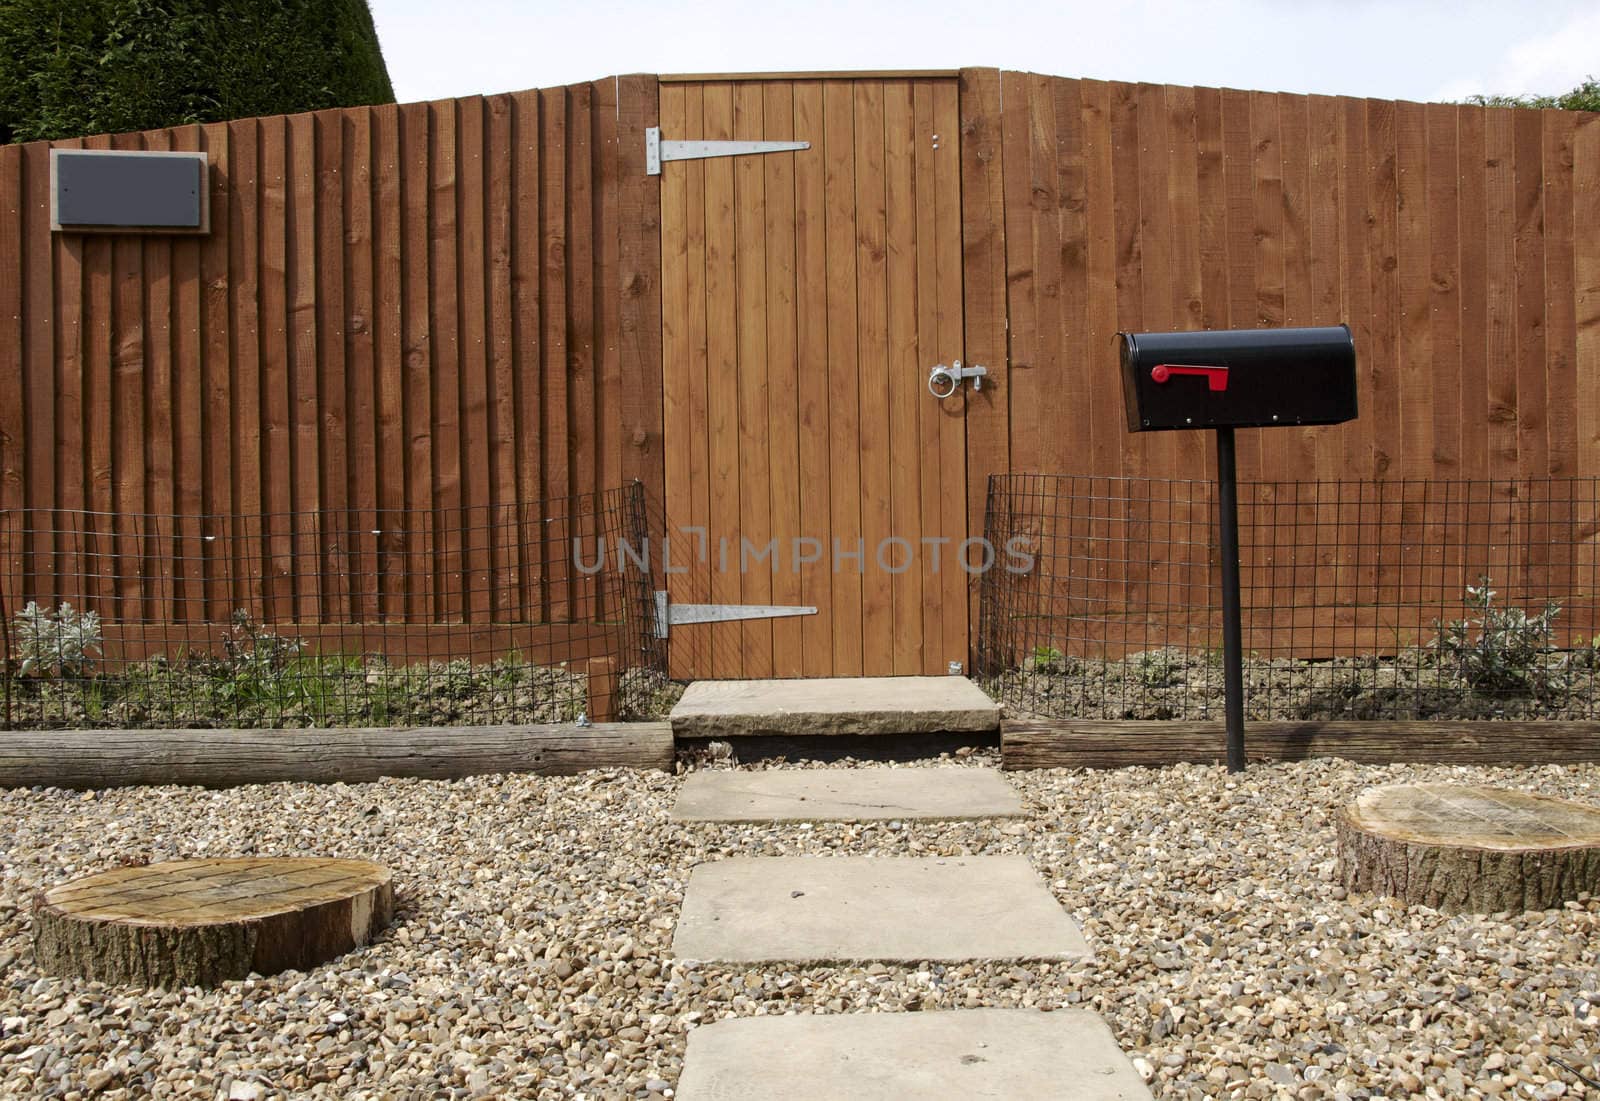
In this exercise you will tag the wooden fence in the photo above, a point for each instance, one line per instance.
(441, 308)
(454, 307)
(1457, 241)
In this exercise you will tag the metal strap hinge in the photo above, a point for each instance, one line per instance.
(668, 613)
(656, 150)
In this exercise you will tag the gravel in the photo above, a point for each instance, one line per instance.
(530, 953)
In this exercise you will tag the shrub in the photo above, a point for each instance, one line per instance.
(56, 644)
(1500, 649)
(74, 67)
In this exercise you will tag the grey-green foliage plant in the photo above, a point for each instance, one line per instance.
(60, 643)
(69, 68)
(1500, 649)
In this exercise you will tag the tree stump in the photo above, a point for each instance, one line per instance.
(200, 922)
(1469, 849)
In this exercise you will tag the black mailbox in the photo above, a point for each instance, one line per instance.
(1238, 378)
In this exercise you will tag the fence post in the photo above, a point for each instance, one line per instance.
(602, 690)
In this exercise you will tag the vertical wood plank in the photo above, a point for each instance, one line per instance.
(362, 428)
(784, 382)
(130, 424)
(754, 574)
(929, 418)
(903, 437)
(71, 488)
(1499, 235)
(530, 330)
(978, 164)
(392, 355)
(1079, 356)
(157, 561)
(1533, 441)
(811, 364)
(477, 454)
(415, 176)
(13, 443)
(843, 381)
(1586, 212)
(1560, 235)
(1244, 311)
(68, 311)
(501, 402)
(301, 345)
(444, 328)
(642, 316)
(335, 528)
(1266, 139)
(1109, 431)
(1025, 195)
(189, 412)
(581, 362)
(238, 459)
(722, 380)
(37, 389)
(1473, 295)
(1384, 259)
(605, 190)
(554, 406)
(680, 436)
(1562, 520)
(877, 520)
(1412, 284)
(698, 556)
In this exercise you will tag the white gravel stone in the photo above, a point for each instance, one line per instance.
(528, 957)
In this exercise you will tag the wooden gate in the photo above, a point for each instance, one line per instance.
(805, 297)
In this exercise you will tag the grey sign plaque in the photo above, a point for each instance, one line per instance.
(128, 190)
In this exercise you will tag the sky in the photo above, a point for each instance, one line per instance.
(1388, 49)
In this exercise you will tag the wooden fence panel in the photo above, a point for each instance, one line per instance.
(448, 308)
(1447, 236)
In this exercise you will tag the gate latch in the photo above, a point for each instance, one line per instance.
(944, 381)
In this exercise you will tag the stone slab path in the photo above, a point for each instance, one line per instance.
(846, 795)
(1002, 1053)
(808, 909)
(833, 705)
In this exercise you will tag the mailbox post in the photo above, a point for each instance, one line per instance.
(1238, 378)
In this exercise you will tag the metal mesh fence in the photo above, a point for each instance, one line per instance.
(1361, 600)
(514, 614)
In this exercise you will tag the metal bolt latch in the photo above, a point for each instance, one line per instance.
(944, 381)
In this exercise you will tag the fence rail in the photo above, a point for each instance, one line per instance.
(1361, 599)
(283, 619)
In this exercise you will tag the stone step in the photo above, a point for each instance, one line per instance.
(1002, 1053)
(831, 909)
(846, 795)
(833, 705)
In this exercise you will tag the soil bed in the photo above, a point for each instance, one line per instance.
(1177, 684)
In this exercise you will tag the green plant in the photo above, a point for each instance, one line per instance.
(57, 644)
(1500, 649)
(1047, 659)
(75, 67)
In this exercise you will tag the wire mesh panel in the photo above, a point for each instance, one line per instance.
(1361, 600)
(139, 620)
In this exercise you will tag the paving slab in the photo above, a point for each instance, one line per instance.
(1001, 1053)
(846, 795)
(829, 909)
(833, 705)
